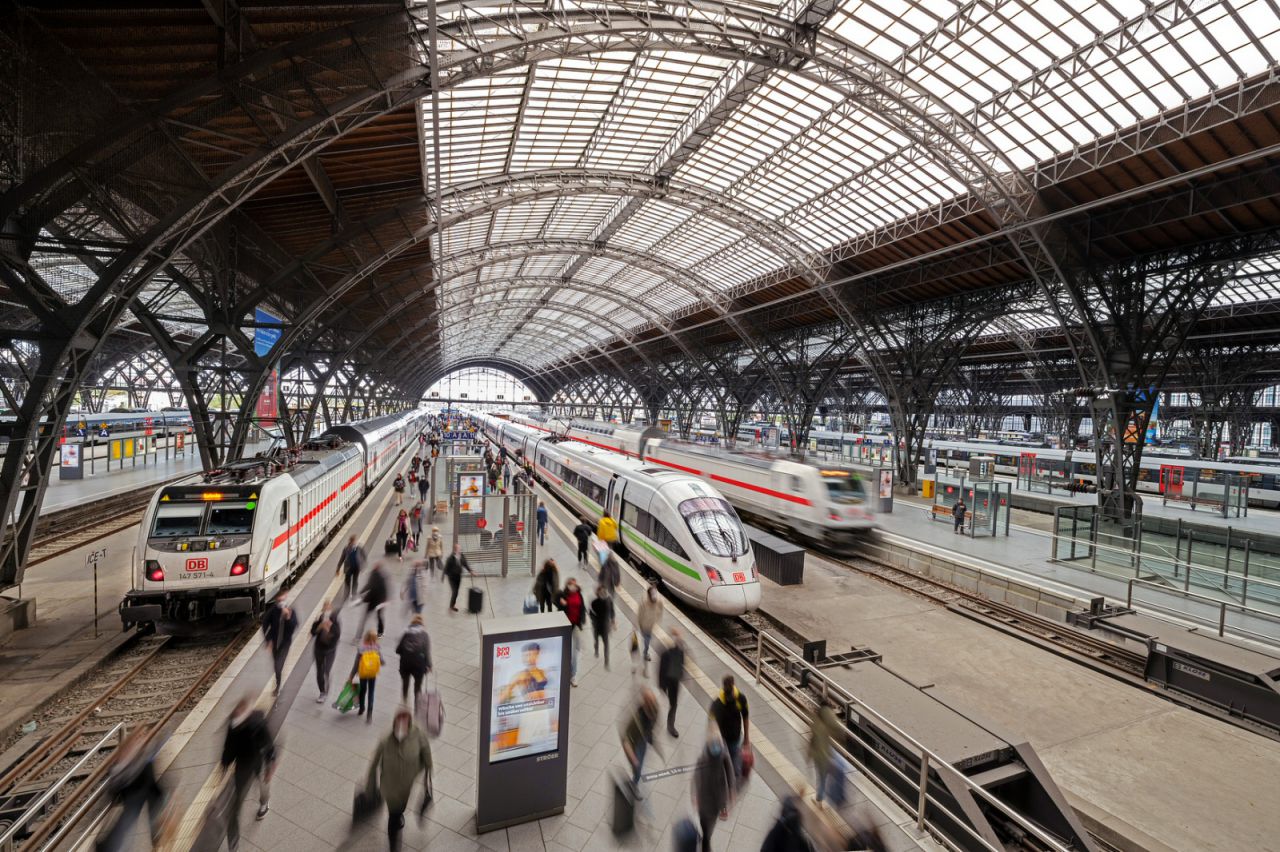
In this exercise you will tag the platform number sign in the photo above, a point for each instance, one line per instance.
(200, 564)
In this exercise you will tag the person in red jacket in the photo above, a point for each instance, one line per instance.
(575, 609)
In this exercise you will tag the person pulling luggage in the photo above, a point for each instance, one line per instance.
(414, 650)
(453, 568)
(399, 759)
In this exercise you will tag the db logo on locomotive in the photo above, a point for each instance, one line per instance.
(197, 564)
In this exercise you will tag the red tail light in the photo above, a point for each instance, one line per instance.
(240, 566)
(154, 572)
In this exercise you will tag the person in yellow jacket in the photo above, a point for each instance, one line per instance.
(607, 529)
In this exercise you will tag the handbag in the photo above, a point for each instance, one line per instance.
(346, 698)
(748, 760)
(365, 804)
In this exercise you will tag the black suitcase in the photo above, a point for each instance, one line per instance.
(391, 546)
(475, 600)
(624, 807)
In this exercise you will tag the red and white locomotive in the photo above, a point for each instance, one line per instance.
(223, 542)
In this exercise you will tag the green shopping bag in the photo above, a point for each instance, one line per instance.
(346, 698)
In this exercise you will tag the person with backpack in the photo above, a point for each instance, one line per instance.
(249, 748)
(542, 523)
(424, 485)
(575, 609)
(398, 485)
(453, 568)
(670, 674)
(602, 615)
(582, 532)
(350, 564)
(435, 552)
(637, 736)
(368, 664)
(713, 787)
(414, 650)
(958, 511)
(375, 595)
(399, 759)
(327, 631)
(733, 721)
(607, 529)
(278, 627)
(546, 586)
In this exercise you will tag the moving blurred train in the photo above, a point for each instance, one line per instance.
(92, 428)
(830, 504)
(223, 542)
(676, 525)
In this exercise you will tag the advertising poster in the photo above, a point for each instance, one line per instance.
(70, 455)
(470, 485)
(266, 334)
(886, 484)
(524, 713)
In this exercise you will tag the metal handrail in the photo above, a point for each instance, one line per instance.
(6, 839)
(928, 756)
(1223, 606)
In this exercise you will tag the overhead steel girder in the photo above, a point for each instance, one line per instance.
(464, 202)
(492, 43)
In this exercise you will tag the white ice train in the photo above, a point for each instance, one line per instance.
(678, 526)
(223, 542)
(826, 503)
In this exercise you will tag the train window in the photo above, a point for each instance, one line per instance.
(663, 537)
(230, 519)
(795, 484)
(843, 489)
(177, 520)
(715, 526)
(284, 513)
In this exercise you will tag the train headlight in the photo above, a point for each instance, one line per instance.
(240, 566)
(832, 514)
(154, 572)
(713, 575)
(184, 546)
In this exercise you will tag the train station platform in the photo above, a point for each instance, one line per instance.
(326, 754)
(67, 493)
(1026, 553)
(1158, 773)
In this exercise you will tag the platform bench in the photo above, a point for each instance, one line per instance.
(938, 511)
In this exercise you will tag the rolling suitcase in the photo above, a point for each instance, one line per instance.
(475, 600)
(624, 807)
(390, 546)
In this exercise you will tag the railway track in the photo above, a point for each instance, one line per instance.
(150, 682)
(1040, 628)
(67, 529)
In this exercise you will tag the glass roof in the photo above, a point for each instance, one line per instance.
(810, 166)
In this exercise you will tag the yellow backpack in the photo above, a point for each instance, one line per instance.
(370, 665)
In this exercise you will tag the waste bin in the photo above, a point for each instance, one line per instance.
(926, 489)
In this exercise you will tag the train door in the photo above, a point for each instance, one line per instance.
(613, 500)
(291, 542)
(1171, 480)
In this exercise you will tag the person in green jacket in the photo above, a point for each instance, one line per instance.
(400, 758)
(824, 728)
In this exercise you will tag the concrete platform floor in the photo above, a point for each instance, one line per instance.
(1184, 779)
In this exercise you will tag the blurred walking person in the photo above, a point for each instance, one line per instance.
(542, 523)
(649, 617)
(375, 593)
(402, 533)
(399, 759)
(787, 834)
(414, 650)
(251, 754)
(350, 564)
(575, 609)
(713, 786)
(367, 665)
(670, 674)
(278, 627)
(132, 785)
(602, 615)
(453, 568)
(823, 730)
(435, 552)
(546, 586)
(637, 736)
(416, 519)
(327, 631)
(582, 533)
(732, 718)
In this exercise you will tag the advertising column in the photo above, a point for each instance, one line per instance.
(524, 720)
(71, 465)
